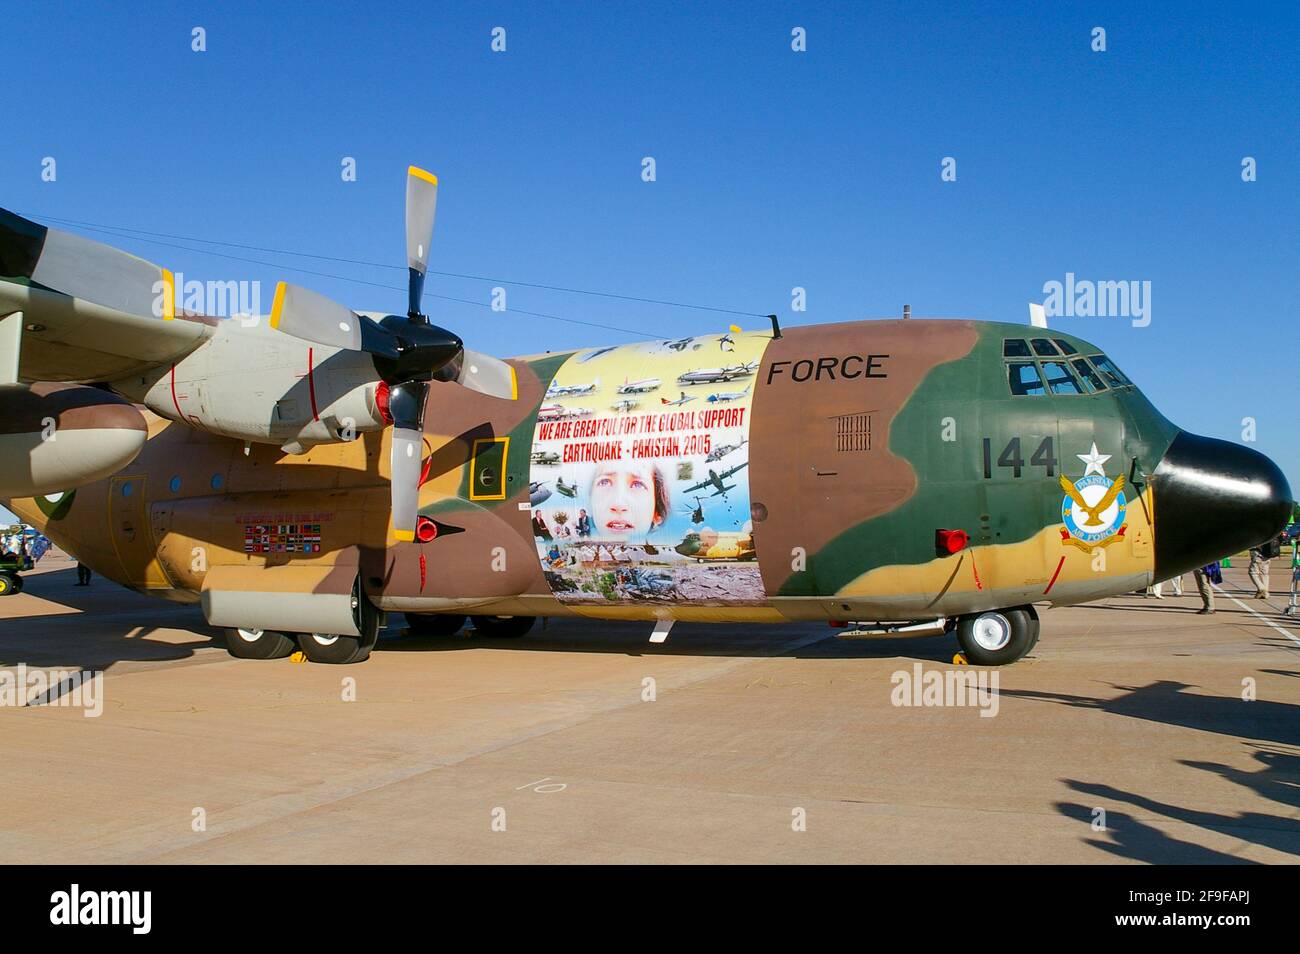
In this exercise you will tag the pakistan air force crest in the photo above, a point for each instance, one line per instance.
(1094, 505)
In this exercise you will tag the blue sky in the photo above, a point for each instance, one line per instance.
(775, 169)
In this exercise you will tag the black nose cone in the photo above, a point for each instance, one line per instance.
(1214, 498)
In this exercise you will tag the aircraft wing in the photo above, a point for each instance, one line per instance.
(700, 486)
(88, 308)
(727, 473)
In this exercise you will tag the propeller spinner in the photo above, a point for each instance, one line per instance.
(407, 352)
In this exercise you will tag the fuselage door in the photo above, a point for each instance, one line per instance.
(132, 533)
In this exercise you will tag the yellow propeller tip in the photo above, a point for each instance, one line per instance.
(421, 174)
(277, 305)
(404, 536)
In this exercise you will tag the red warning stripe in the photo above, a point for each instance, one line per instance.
(175, 403)
(1060, 563)
(311, 386)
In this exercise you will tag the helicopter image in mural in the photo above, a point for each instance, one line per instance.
(696, 512)
(723, 450)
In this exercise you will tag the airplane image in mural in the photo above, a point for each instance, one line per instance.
(716, 481)
(716, 375)
(683, 399)
(644, 386)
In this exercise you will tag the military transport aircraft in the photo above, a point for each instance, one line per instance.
(716, 481)
(301, 476)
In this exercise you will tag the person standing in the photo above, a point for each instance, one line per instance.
(1203, 576)
(83, 574)
(1260, 557)
(1295, 576)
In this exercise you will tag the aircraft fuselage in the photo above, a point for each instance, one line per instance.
(863, 441)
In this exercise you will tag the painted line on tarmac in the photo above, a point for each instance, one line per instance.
(1258, 616)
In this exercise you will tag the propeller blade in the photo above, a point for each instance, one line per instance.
(406, 405)
(421, 203)
(405, 461)
(306, 314)
(488, 375)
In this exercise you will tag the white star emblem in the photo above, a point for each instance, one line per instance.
(1094, 461)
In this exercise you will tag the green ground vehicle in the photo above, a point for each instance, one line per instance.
(12, 564)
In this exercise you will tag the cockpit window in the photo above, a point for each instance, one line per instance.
(1091, 379)
(1112, 375)
(1024, 379)
(1042, 366)
(1059, 378)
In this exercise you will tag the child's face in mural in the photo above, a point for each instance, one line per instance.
(623, 499)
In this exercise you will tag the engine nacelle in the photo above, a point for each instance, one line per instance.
(256, 384)
(56, 437)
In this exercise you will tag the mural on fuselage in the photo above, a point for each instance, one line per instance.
(640, 473)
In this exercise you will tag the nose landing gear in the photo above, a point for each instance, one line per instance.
(998, 637)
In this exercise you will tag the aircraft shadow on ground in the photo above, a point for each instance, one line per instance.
(123, 619)
(1275, 724)
(687, 639)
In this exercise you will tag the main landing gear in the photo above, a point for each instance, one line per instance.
(997, 637)
(317, 647)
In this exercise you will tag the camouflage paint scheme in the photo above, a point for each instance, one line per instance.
(852, 472)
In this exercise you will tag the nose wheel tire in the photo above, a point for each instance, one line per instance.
(503, 627)
(258, 644)
(434, 624)
(998, 637)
